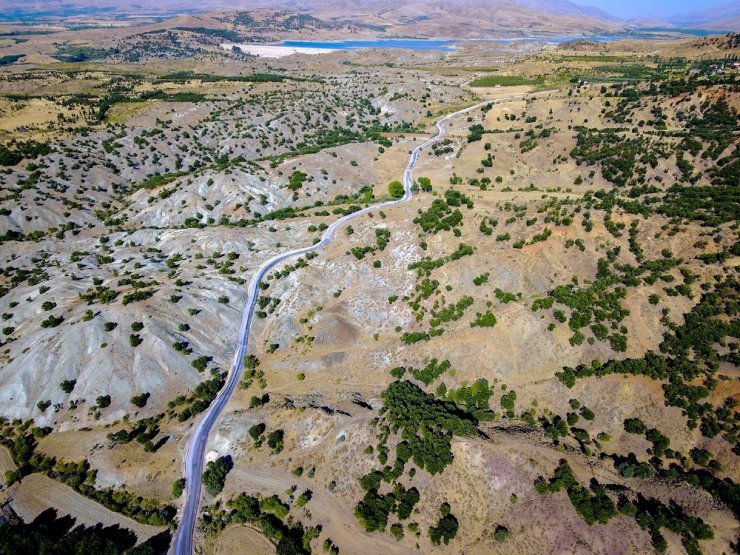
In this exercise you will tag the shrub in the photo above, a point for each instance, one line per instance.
(275, 441)
(487, 320)
(508, 400)
(593, 505)
(52, 321)
(303, 498)
(634, 426)
(214, 476)
(274, 506)
(445, 530)
(296, 180)
(256, 431)
(373, 510)
(138, 295)
(414, 337)
(396, 190)
(501, 534)
(200, 363)
(257, 401)
(178, 486)
(68, 385)
(140, 400)
(431, 371)
(476, 132)
(426, 423)
(425, 184)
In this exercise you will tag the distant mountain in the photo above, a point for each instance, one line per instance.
(707, 15)
(564, 7)
(422, 18)
(560, 7)
(723, 17)
(460, 18)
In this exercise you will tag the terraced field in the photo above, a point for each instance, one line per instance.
(37, 493)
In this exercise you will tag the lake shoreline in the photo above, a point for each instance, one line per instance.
(290, 47)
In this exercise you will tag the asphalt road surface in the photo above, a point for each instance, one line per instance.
(183, 544)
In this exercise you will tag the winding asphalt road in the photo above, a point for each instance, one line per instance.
(183, 544)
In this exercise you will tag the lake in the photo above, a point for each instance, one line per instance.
(444, 45)
(409, 44)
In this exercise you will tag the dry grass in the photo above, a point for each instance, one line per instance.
(242, 539)
(37, 493)
(6, 463)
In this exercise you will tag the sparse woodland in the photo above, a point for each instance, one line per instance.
(545, 336)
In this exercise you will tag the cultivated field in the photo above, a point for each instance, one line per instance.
(37, 493)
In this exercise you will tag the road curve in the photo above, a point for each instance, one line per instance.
(183, 544)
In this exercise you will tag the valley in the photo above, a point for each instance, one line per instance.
(477, 300)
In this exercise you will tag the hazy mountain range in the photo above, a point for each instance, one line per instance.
(414, 16)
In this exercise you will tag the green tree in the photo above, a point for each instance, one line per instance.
(396, 190)
(178, 486)
(214, 476)
(68, 385)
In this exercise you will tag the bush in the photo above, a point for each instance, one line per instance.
(274, 506)
(214, 476)
(634, 426)
(373, 510)
(68, 385)
(138, 295)
(256, 430)
(140, 400)
(508, 400)
(200, 363)
(484, 320)
(501, 534)
(52, 321)
(178, 486)
(427, 424)
(396, 189)
(406, 502)
(257, 401)
(593, 505)
(476, 132)
(445, 530)
(296, 180)
(414, 337)
(431, 371)
(275, 441)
